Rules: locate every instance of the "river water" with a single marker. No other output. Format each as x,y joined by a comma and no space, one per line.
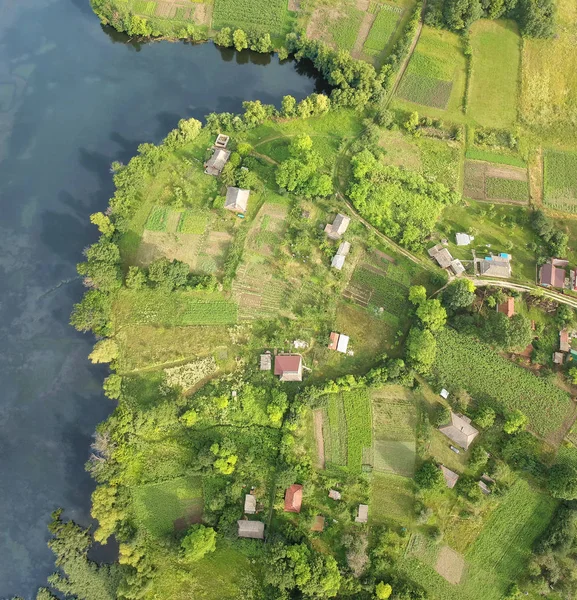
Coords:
73,98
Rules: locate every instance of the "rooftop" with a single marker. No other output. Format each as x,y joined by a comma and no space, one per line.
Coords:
289,367
496,266
464,239
362,514
336,229
334,341
293,498
460,430
507,307
250,529
551,275
216,162
343,343
451,477
441,255
250,504
338,261
236,199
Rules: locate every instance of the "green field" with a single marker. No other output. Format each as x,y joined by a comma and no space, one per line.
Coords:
435,76
392,498
267,16
494,157
507,189
343,30
560,175
349,428
147,307
193,221
494,82
382,29
157,219
157,506
469,364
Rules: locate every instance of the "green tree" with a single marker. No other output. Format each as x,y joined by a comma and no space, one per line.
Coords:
563,481
288,106
442,414
421,349
383,590
573,375
478,458
106,510
417,294
103,222
112,386
519,332
224,37
240,40
459,294
459,15
135,278
412,122
537,18
190,417
432,314
429,476
92,313
514,422
104,351
198,542
255,112
484,417
301,146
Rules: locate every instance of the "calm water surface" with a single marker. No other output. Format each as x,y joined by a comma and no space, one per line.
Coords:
73,98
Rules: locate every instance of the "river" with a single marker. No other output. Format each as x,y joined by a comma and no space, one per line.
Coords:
73,98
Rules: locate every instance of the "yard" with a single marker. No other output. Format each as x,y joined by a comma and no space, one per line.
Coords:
495,78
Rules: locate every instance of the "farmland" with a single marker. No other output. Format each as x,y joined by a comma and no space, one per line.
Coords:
157,220
494,82
349,428
384,25
466,362
269,16
513,190
392,499
159,506
560,173
486,181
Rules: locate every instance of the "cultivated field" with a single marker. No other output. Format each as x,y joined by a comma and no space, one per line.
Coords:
495,183
560,175
392,499
267,16
337,25
163,507
435,75
494,81
471,365
385,21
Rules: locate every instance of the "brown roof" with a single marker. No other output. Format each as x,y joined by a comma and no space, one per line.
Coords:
507,307
289,367
450,477
564,341
460,430
496,267
334,341
318,523
362,514
552,275
293,498
441,255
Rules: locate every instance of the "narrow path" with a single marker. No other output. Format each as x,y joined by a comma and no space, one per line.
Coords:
551,294
363,34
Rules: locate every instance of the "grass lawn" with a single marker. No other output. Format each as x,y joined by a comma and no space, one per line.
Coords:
494,82
392,499
383,28
435,77
548,83
560,173
471,365
157,506
498,225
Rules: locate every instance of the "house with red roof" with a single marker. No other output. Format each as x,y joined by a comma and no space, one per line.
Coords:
289,367
550,275
507,307
293,498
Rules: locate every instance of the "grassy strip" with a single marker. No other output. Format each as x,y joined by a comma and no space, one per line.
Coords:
501,159
358,414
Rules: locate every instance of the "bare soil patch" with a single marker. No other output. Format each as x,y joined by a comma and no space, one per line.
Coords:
202,14
166,10
318,27
363,4
506,172
179,246
477,172
294,5
450,565
193,515
318,425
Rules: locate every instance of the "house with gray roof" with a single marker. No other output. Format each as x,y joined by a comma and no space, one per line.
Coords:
496,266
215,164
460,431
441,255
336,229
236,199
450,477
250,529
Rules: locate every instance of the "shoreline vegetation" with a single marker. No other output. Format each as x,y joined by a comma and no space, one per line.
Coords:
291,364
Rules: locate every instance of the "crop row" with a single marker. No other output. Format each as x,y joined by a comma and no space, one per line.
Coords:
192,221
337,429
386,293
507,189
464,362
381,31
267,16
157,219
357,407
425,90
560,170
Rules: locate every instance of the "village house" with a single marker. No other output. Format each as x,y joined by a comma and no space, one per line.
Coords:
460,430
445,260
251,529
496,266
339,342
236,199
249,504
362,514
293,498
451,477
507,307
552,274
289,367
339,258
215,164
463,239
336,229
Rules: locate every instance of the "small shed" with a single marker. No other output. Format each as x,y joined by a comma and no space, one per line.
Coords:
441,255
334,495
251,529
451,477
318,524
558,358
457,267
293,498
338,262
336,229
343,343
265,361
216,162
221,141
362,514
334,341
444,393
250,504
236,199
484,488
344,248
464,239
507,307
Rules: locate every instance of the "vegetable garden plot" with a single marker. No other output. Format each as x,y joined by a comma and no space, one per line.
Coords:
425,90
258,294
395,457
193,221
384,26
560,175
157,219
266,16
392,498
469,364
495,182
507,189
143,7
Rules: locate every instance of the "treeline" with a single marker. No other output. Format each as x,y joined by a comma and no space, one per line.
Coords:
536,18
